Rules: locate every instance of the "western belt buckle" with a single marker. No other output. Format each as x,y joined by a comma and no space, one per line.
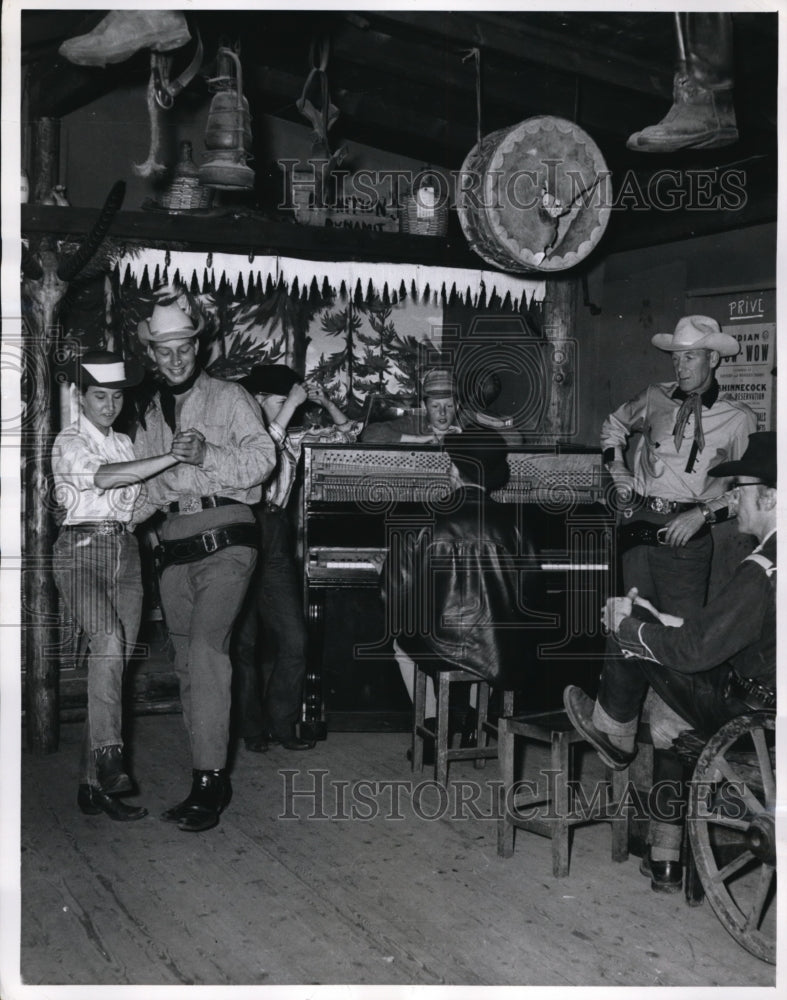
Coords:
209,541
659,505
190,505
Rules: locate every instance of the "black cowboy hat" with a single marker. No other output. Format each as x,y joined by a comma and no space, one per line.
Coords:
271,380
758,461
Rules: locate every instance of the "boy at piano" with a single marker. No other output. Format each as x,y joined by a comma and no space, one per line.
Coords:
274,597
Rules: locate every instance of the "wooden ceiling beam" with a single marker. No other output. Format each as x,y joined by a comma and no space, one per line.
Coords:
500,33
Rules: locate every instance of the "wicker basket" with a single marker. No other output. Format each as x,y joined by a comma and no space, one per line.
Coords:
185,192
424,213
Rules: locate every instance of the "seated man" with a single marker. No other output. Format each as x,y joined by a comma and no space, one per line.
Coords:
455,590
427,427
710,668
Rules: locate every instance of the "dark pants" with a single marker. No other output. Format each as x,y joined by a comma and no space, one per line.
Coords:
274,602
674,578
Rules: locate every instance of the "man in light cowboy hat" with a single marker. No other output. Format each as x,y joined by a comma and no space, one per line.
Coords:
208,540
708,668
668,499
427,427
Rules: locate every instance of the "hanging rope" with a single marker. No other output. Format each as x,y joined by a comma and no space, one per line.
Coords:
476,54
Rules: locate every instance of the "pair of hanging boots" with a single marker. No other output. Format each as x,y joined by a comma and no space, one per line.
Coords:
122,33
702,115
210,794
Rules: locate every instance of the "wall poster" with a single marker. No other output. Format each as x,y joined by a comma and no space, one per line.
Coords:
750,317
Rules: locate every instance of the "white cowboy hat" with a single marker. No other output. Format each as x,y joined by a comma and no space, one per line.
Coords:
168,323
695,333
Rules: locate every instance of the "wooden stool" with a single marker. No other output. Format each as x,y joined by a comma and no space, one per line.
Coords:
555,730
480,753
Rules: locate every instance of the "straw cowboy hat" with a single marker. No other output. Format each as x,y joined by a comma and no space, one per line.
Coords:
104,369
695,333
168,323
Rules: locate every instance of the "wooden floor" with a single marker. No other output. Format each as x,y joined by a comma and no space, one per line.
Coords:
326,898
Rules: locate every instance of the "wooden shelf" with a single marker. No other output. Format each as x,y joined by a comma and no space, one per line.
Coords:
240,232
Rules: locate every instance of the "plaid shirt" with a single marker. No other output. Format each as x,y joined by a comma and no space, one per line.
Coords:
289,445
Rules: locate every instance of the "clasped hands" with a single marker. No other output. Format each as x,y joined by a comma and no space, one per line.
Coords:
618,608
189,446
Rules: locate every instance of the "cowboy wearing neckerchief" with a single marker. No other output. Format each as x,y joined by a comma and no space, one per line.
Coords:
670,498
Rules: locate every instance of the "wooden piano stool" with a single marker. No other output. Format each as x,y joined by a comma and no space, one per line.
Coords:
444,753
556,813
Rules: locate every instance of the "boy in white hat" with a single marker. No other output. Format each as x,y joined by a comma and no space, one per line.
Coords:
96,562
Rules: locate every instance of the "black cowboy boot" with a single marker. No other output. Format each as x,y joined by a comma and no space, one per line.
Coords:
210,794
92,801
111,777
702,115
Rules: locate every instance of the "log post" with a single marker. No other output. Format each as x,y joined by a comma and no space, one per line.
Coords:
560,309
40,609
46,157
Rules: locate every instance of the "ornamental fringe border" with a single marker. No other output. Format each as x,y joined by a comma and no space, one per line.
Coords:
426,282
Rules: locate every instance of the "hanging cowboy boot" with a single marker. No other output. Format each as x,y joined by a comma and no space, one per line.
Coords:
702,115
124,32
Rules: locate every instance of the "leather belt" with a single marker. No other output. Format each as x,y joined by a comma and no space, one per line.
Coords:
98,527
190,505
195,547
750,691
648,533
657,505
270,508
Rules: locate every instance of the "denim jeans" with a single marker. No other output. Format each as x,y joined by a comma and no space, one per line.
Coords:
698,698
101,585
201,601
274,602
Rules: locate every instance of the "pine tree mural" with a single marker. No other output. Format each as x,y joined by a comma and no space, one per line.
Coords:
374,358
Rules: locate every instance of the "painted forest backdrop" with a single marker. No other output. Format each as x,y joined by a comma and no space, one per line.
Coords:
360,346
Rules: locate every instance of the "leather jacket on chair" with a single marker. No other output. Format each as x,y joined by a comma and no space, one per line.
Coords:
458,589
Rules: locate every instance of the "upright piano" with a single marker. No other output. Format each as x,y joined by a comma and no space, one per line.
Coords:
356,498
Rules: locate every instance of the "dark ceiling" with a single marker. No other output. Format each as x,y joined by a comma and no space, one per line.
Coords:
403,84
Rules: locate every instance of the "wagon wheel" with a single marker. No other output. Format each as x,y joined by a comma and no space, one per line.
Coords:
731,825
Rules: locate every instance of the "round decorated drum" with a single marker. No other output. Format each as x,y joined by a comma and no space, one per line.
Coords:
535,197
